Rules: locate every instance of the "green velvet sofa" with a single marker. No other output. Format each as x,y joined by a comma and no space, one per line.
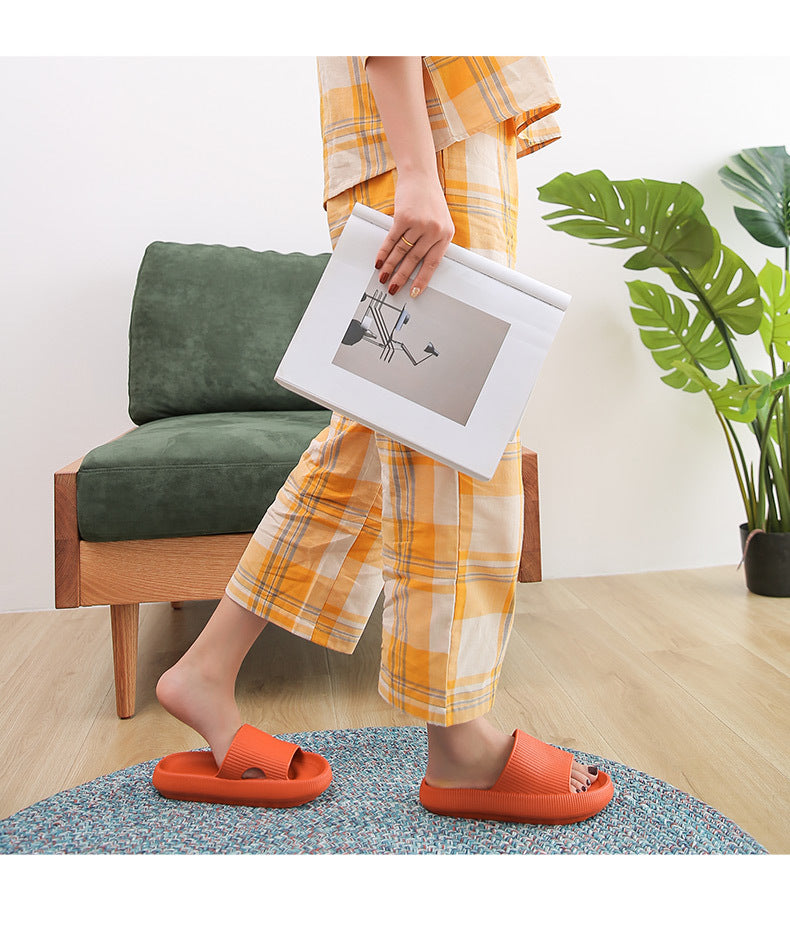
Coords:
164,511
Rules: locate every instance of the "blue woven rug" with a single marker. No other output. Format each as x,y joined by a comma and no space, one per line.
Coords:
371,808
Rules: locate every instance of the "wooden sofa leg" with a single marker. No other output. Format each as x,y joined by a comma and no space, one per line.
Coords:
530,569
125,623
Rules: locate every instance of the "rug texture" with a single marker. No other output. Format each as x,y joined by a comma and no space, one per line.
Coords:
371,808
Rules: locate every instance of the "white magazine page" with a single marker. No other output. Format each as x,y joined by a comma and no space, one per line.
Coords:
448,373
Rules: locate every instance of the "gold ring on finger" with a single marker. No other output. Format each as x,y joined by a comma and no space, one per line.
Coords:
409,243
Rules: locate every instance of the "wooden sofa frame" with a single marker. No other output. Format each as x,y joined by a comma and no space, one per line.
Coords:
125,574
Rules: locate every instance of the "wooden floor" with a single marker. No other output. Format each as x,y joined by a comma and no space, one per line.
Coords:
681,675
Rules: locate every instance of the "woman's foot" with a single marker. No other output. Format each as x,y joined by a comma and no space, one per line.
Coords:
200,689
473,754
202,701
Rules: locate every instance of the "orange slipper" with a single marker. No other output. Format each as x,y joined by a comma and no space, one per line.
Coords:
533,765
292,776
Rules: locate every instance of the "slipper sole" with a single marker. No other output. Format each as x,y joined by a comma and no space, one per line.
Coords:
534,808
192,776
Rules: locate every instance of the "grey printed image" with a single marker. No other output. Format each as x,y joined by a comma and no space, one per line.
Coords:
433,350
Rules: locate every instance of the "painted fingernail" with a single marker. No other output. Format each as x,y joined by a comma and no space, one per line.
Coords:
394,288
384,277
379,264
415,291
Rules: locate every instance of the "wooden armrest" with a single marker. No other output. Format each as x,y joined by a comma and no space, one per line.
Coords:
531,566
67,535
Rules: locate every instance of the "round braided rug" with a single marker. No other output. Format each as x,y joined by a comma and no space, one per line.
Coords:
371,808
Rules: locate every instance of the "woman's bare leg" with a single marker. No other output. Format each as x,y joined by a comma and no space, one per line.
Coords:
200,689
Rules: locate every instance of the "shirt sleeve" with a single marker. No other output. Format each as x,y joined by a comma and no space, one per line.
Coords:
467,94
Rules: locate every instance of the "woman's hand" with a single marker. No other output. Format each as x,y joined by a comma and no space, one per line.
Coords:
421,230
421,213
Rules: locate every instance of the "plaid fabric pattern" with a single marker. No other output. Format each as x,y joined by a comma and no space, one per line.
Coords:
361,512
464,95
480,183
451,548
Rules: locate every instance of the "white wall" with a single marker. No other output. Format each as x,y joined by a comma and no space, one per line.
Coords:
103,155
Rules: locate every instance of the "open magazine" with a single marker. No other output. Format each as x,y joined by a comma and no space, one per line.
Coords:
448,373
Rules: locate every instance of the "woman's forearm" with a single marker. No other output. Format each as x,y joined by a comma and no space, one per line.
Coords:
397,86
422,226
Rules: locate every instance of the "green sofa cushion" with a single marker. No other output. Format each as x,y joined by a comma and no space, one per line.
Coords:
210,325
191,475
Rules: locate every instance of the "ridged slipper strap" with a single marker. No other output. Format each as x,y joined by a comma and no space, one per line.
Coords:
535,767
252,747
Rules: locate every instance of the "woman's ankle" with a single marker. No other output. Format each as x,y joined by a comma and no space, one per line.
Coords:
205,703
470,753
454,740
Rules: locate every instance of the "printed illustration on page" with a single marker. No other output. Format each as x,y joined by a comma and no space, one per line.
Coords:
434,350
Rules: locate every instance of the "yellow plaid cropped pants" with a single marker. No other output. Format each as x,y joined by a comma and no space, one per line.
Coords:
361,512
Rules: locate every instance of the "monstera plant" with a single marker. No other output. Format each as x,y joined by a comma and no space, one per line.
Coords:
709,297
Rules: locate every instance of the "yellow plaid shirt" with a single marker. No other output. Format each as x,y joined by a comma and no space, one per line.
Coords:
463,94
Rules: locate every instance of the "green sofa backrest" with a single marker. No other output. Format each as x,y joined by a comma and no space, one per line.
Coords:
209,327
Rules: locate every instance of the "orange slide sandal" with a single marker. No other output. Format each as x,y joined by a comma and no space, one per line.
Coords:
292,776
540,768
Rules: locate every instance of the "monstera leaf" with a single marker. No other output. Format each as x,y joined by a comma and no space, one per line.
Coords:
738,402
691,334
775,324
673,339
763,178
726,288
664,219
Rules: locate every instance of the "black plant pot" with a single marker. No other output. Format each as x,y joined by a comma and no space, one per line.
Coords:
767,563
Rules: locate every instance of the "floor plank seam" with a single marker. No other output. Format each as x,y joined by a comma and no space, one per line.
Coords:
331,676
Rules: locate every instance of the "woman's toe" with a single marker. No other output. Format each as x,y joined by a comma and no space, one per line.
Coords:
582,777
